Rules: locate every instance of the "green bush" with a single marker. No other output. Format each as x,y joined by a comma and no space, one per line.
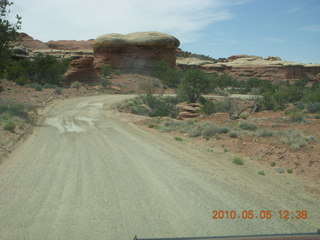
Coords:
21,80
194,83
262,173
169,76
313,107
106,70
9,126
265,133
105,82
296,139
75,84
289,171
211,107
238,161
160,105
41,69
178,139
58,90
273,164
296,116
18,110
248,126
233,135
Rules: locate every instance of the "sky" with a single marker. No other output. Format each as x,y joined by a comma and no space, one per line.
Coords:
289,29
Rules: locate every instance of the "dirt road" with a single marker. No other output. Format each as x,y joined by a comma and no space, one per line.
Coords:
85,174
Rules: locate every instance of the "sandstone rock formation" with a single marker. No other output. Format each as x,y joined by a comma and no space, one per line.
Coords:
244,67
71,45
136,51
81,70
32,44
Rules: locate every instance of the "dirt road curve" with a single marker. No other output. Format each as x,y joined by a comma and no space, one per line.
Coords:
84,174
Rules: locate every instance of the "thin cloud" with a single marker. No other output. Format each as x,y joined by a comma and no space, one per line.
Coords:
313,28
82,19
293,10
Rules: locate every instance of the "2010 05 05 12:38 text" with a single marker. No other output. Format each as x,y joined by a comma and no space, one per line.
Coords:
262,214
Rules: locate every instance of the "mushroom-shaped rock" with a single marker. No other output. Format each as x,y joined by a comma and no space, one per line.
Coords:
136,51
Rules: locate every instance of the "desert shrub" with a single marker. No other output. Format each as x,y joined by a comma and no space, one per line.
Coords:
273,164
58,90
178,139
9,126
313,107
317,116
296,116
160,105
195,132
41,69
238,161
262,173
168,75
21,80
105,82
135,107
289,171
48,85
75,84
265,133
233,135
193,84
208,129
248,126
18,110
106,70
296,139
210,107
36,86
299,106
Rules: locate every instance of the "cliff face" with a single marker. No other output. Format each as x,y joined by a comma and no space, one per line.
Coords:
244,67
135,51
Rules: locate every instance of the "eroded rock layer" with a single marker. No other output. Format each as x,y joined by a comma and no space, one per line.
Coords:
136,51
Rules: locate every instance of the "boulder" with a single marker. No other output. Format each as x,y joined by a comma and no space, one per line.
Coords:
81,70
136,51
183,115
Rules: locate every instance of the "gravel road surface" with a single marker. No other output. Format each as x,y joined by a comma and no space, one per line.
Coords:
87,173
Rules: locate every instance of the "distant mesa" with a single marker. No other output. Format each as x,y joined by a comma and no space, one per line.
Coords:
135,51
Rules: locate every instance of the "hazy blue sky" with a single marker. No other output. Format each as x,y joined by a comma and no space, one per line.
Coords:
219,28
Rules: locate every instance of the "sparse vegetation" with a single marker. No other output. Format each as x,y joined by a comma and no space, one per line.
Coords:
289,171
233,135
178,139
262,173
265,133
296,139
238,161
75,84
9,126
248,126
296,116
272,164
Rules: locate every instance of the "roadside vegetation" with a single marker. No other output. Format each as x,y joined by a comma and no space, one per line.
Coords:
13,115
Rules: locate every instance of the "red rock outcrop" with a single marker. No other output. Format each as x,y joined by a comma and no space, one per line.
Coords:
136,51
32,44
71,45
81,70
244,67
